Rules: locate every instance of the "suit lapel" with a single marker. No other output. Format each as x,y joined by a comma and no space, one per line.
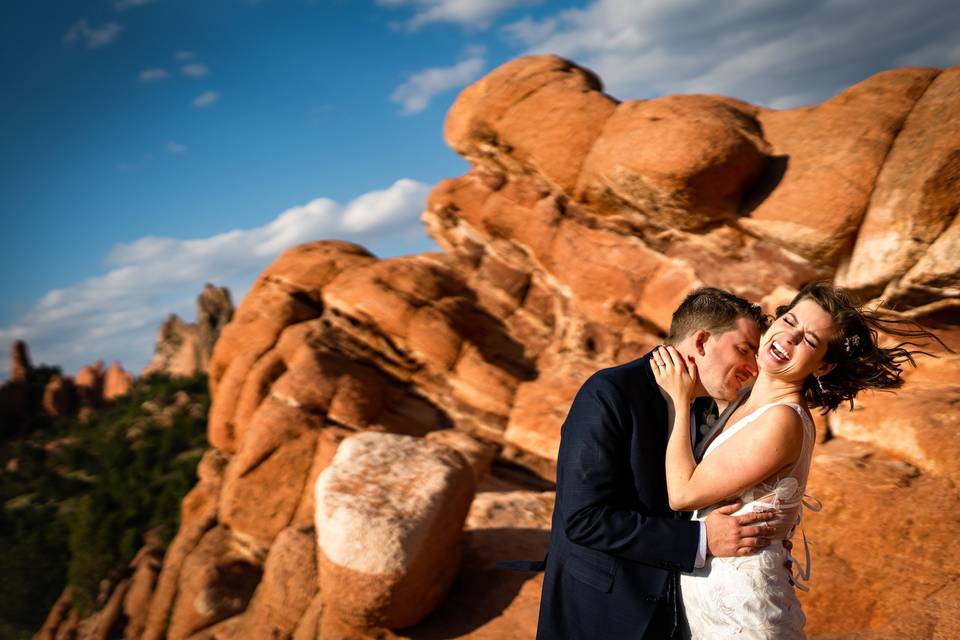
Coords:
718,425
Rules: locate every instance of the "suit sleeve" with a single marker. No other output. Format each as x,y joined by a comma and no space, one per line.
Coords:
593,466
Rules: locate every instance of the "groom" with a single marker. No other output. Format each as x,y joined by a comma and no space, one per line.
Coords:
615,545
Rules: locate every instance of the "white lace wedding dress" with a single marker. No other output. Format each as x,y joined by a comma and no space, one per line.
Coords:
751,597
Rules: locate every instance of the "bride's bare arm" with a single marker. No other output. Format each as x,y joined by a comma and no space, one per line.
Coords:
754,454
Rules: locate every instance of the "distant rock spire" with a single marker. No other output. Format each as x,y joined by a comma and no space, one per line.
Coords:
20,366
184,348
214,311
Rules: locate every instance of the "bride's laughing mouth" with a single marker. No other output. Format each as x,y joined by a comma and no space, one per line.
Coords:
778,353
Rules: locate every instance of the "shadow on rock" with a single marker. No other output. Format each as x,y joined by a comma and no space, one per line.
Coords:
487,602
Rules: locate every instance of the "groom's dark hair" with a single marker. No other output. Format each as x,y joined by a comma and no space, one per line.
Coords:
713,310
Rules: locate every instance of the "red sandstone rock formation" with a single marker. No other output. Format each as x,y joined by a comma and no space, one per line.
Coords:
22,399
116,382
89,384
20,366
184,349
581,224
390,513
60,396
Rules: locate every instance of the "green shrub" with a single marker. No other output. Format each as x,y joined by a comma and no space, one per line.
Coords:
72,516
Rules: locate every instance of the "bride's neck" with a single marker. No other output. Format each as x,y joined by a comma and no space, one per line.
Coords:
767,389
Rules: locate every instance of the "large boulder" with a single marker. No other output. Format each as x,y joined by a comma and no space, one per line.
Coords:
540,113
917,193
390,512
829,158
681,161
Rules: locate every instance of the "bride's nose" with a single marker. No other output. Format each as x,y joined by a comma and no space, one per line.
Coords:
794,335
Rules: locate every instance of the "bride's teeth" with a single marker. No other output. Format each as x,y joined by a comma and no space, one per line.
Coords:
778,352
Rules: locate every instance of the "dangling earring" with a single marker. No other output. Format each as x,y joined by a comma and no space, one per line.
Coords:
819,384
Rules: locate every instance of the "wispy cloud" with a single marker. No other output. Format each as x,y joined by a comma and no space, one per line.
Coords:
195,70
777,53
205,99
475,14
123,5
184,55
176,147
92,37
415,94
115,315
152,75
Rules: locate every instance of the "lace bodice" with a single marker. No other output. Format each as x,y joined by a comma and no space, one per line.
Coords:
786,494
753,597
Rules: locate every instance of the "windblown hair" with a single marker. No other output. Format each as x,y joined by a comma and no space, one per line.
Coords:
713,310
861,363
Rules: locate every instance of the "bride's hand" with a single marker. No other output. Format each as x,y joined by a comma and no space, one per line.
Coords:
676,376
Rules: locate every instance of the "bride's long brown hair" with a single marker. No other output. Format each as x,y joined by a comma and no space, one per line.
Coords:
861,363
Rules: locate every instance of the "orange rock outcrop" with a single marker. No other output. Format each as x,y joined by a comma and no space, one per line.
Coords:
183,348
580,225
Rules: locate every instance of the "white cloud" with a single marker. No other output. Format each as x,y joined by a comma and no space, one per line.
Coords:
92,37
194,70
116,315
205,99
184,55
176,147
122,5
777,53
150,75
414,95
468,13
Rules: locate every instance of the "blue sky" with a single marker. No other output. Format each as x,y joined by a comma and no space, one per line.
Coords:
154,145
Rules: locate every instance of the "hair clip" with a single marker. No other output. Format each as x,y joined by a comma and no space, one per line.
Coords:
850,343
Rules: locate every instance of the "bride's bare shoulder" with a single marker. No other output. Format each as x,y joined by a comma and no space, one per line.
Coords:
780,421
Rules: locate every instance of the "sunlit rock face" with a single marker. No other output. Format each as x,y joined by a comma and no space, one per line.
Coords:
581,224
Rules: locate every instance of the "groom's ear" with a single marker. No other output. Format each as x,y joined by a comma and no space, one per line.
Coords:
699,339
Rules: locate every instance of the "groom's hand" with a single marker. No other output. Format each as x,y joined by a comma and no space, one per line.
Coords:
729,535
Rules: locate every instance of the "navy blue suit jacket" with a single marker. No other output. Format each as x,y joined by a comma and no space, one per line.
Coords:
614,540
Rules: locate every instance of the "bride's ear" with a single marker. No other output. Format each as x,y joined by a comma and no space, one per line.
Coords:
824,368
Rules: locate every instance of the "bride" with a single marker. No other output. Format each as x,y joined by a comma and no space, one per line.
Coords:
819,352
